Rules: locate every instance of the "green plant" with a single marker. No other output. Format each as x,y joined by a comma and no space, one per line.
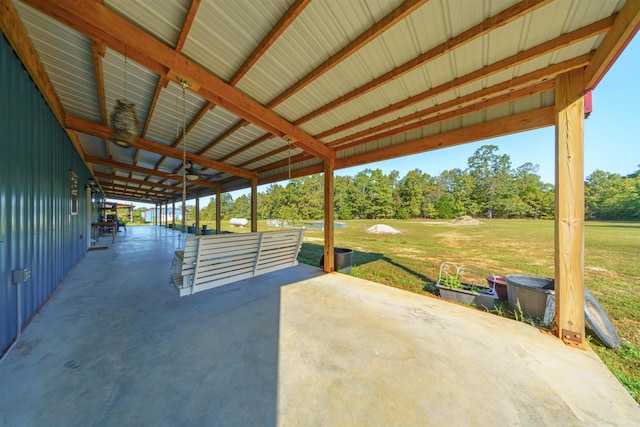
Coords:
519,315
500,308
451,282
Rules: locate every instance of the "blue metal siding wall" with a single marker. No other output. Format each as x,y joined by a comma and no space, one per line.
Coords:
36,229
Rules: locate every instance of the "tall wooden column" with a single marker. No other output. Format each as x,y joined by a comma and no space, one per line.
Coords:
218,210
329,262
254,205
197,213
569,209
173,214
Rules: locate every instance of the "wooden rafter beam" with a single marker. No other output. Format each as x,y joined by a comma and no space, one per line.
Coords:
142,199
284,22
98,22
507,91
266,156
84,26
208,106
625,26
136,190
295,173
503,18
391,19
374,31
100,131
518,123
140,182
98,51
292,13
222,137
186,25
199,115
542,49
163,81
246,147
508,97
162,84
300,157
145,171
498,100
386,130
519,87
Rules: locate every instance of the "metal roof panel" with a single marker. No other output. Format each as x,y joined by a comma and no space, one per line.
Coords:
66,56
163,19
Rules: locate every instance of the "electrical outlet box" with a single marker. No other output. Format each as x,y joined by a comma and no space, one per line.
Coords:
21,275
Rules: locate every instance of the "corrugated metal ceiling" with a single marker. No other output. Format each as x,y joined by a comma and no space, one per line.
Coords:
299,60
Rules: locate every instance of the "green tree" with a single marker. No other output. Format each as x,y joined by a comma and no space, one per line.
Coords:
240,208
358,194
209,211
411,190
310,199
610,196
445,206
536,197
341,204
494,184
460,185
380,195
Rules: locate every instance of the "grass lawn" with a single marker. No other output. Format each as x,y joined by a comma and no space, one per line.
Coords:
410,260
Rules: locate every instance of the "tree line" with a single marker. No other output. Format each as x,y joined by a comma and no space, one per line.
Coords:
489,187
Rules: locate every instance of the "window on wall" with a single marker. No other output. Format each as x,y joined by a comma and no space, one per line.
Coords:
73,182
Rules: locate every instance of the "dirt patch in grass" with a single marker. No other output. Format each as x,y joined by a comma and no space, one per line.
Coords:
465,220
408,252
453,239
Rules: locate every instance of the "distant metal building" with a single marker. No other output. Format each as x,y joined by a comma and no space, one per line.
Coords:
45,215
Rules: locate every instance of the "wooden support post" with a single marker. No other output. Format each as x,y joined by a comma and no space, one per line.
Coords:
173,215
329,263
218,210
569,209
197,211
254,205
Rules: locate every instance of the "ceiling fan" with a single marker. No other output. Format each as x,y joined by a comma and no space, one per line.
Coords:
193,174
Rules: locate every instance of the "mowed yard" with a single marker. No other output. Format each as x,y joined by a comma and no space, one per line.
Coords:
410,260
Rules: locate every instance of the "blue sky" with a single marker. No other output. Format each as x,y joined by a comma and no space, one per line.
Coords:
612,135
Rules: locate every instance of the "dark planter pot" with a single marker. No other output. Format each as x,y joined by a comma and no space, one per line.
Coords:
206,231
485,300
342,260
535,295
500,283
191,229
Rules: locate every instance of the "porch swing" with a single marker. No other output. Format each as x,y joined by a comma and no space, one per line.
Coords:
209,261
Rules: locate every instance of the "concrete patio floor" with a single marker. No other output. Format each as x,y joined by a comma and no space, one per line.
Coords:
116,346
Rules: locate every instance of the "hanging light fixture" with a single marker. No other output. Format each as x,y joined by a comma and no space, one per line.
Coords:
124,121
